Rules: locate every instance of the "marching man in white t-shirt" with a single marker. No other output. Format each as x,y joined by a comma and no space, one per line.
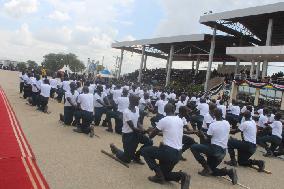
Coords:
44,96
275,139
246,147
132,134
169,151
215,151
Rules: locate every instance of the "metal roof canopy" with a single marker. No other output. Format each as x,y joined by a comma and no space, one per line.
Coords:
250,23
187,47
258,54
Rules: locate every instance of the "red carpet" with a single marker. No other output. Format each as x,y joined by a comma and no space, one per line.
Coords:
18,168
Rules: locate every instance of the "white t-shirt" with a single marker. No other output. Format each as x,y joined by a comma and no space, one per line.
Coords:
235,110
73,97
172,128
172,96
35,86
203,108
66,85
224,110
271,118
21,77
92,88
143,103
161,106
260,111
193,99
262,120
178,105
45,90
53,83
249,131
98,97
116,93
86,102
208,119
219,130
122,103
128,115
277,128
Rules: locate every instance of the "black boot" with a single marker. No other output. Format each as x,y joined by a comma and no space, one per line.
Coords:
158,178
232,173
233,163
185,180
61,117
206,170
109,129
259,163
104,124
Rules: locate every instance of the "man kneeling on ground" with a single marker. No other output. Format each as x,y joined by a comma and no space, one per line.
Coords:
169,152
85,103
132,134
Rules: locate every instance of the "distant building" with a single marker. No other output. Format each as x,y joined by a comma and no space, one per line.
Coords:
6,63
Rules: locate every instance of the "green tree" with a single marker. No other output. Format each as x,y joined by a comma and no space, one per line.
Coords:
53,62
32,64
21,66
74,63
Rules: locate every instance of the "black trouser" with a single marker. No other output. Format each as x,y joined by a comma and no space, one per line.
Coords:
142,114
245,151
21,86
215,155
232,119
52,92
86,117
168,157
27,91
274,140
60,94
35,98
130,143
198,121
43,101
187,142
156,119
68,114
117,116
99,111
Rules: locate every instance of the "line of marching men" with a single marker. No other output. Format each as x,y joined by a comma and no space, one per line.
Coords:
176,118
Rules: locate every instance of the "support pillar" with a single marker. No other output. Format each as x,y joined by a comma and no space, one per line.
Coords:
252,68
282,102
257,70
268,43
197,65
170,63
237,66
141,64
120,64
145,62
224,63
192,66
211,55
256,99
234,92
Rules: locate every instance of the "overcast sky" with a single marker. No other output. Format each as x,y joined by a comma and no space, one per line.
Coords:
30,29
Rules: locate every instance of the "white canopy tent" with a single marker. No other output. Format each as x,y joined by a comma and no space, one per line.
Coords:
66,68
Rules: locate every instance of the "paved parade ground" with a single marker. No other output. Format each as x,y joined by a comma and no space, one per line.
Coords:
70,160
